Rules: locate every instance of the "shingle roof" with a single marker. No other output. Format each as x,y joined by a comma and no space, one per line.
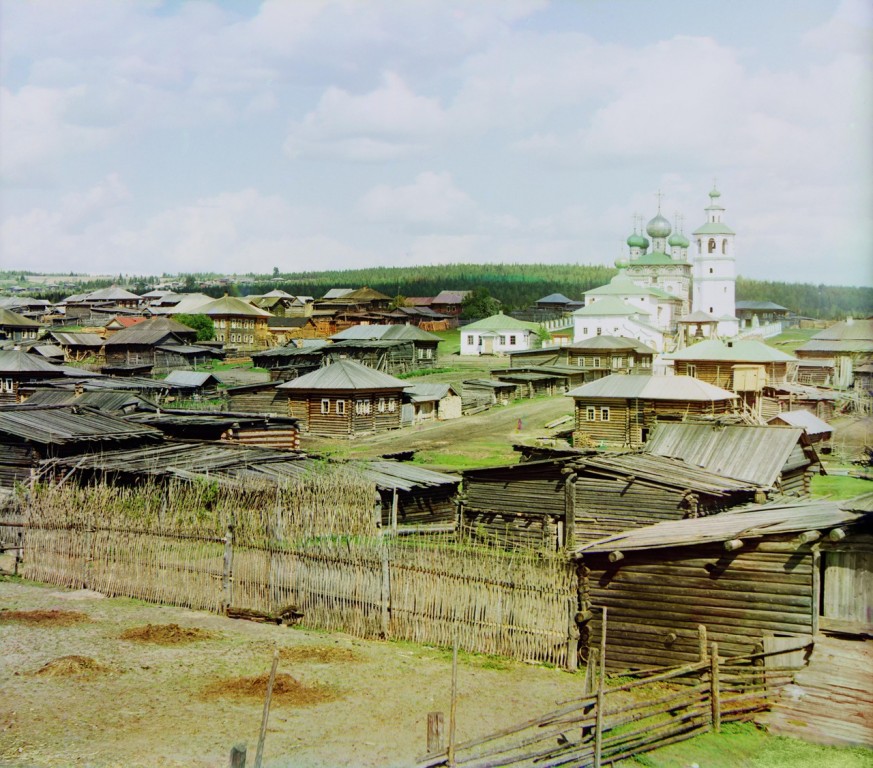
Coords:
424,393
651,388
77,339
753,453
344,375
450,297
741,351
854,330
69,425
17,361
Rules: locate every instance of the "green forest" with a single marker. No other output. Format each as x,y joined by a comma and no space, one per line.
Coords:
516,286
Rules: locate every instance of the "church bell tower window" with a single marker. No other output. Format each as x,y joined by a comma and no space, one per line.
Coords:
711,245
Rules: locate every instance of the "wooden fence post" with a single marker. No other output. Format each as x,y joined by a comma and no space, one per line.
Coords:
591,670
453,709
570,512
572,636
715,693
601,684
262,736
701,642
19,553
227,570
238,756
435,732
386,592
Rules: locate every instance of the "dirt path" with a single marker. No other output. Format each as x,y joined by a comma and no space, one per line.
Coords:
161,705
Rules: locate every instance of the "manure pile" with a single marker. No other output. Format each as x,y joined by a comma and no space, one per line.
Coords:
165,634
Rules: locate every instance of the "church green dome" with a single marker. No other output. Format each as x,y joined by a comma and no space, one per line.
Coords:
637,241
678,240
658,227
714,194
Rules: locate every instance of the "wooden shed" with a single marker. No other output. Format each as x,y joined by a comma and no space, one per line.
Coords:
150,343
718,363
18,368
344,399
779,459
622,410
433,402
564,502
748,576
192,384
818,432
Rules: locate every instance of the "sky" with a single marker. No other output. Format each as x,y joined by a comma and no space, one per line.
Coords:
158,136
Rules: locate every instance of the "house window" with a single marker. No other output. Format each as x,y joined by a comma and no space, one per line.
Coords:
512,341
325,406
710,270
616,361
584,331
381,405
428,353
691,369
392,405
340,407
362,407
595,362
604,414
470,340
711,245
598,331
502,341
590,413
630,361
724,246
580,362
7,385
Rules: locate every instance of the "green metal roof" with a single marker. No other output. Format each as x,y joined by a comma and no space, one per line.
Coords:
713,228
741,351
655,257
500,322
344,375
611,305
651,388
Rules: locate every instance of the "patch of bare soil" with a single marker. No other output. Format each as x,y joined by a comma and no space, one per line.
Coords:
319,654
286,690
72,666
165,634
52,618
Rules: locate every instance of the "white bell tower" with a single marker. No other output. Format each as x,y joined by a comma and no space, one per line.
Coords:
715,274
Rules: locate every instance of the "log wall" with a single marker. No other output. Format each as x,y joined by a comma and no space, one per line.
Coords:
657,599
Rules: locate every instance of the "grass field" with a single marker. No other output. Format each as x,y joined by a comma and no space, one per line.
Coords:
790,340
839,487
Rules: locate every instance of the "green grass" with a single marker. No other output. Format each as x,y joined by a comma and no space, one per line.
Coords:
470,455
451,342
839,487
742,745
790,340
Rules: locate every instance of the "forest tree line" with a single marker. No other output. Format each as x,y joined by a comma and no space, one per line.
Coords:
516,286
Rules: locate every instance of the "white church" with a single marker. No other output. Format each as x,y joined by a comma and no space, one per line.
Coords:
661,298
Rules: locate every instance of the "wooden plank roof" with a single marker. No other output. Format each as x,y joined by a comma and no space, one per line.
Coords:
651,388
61,425
343,375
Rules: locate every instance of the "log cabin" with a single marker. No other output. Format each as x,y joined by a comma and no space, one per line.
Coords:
19,368
16,327
726,364
564,502
621,411
843,347
746,575
237,323
344,399
419,350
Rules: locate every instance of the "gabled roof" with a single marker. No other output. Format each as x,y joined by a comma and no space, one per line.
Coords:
69,425
745,523
113,293
450,297
344,375
337,293
609,306
651,388
854,330
753,453
231,306
107,401
500,322
807,421
8,318
366,294
740,351
623,285
125,322
17,361
190,379
402,332
698,317
77,339
188,304
760,305
150,332
610,343
277,293
423,392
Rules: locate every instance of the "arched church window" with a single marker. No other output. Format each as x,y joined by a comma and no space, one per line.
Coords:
699,245
724,246
711,245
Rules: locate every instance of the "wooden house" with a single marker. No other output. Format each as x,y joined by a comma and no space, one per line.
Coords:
611,354
555,303
780,459
30,434
478,394
566,501
741,366
450,304
19,368
261,397
412,348
291,361
344,399
17,327
237,324
534,382
431,402
843,347
159,343
749,576
792,397
622,410
199,384
281,330
818,432
757,313
78,346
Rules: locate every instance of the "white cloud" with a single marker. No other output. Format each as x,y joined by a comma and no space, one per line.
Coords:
431,200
